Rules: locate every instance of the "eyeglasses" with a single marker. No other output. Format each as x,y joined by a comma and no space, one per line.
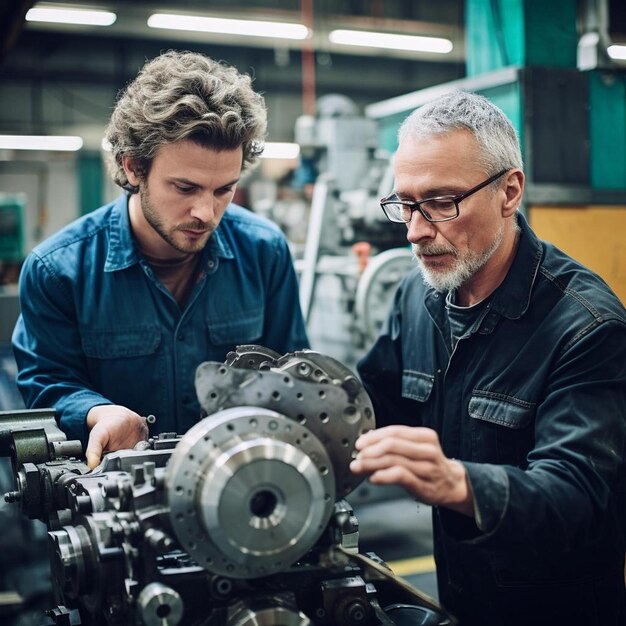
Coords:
439,209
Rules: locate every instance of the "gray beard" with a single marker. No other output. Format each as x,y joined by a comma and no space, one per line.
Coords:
463,269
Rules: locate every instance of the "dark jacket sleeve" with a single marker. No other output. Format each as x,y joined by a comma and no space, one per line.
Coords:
381,372
577,465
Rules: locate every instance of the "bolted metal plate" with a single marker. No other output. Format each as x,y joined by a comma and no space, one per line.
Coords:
311,389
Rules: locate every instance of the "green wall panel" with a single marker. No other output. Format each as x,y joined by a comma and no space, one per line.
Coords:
90,181
500,33
607,99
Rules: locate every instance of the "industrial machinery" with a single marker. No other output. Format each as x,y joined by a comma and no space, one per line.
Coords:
239,522
350,175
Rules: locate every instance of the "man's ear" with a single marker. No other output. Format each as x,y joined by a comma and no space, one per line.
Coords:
514,190
130,168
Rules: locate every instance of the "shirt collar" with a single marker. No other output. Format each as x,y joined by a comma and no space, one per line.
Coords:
123,253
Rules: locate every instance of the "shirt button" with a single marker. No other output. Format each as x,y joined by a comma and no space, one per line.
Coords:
211,264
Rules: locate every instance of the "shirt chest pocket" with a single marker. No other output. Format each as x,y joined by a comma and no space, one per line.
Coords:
236,330
127,366
502,428
121,343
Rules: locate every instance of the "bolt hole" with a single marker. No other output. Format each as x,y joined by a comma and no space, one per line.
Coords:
263,503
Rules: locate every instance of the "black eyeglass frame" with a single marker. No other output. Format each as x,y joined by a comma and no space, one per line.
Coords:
416,206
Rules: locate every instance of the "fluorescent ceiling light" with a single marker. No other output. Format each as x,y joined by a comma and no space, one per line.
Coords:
617,52
279,150
280,30
41,142
59,15
391,41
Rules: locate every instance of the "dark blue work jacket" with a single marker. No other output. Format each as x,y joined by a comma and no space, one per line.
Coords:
533,401
98,327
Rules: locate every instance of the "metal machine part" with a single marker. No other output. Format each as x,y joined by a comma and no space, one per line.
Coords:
315,390
266,612
235,523
376,289
159,605
249,491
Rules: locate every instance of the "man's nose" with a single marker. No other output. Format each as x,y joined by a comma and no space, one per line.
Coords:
419,228
203,209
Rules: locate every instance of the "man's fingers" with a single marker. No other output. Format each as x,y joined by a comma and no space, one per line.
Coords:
410,450
145,431
95,447
93,460
409,433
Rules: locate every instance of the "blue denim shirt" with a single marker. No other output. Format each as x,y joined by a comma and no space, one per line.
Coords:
97,326
533,401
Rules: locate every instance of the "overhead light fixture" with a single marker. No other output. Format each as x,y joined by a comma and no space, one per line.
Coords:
250,28
59,15
280,150
62,143
391,41
617,52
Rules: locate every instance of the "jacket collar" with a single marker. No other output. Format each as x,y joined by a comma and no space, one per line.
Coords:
123,252
512,298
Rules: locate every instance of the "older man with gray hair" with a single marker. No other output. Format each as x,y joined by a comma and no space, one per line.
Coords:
499,383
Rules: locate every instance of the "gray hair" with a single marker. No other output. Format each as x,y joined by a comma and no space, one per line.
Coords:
184,95
497,140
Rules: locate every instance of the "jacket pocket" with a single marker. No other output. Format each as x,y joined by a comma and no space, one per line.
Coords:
236,331
502,428
416,386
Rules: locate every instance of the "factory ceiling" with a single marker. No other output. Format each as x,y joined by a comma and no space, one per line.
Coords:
62,75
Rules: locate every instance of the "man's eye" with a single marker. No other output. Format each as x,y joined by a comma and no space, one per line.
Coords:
224,190
184,188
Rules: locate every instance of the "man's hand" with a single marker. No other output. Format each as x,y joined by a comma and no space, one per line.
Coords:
413,458
112,427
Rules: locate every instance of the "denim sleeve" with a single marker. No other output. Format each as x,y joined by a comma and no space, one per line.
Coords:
575,475
52,372
284,327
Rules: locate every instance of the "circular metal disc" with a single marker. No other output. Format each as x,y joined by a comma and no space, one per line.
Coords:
250,491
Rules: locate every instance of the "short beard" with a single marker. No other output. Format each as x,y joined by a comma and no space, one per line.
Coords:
155,220
464,267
